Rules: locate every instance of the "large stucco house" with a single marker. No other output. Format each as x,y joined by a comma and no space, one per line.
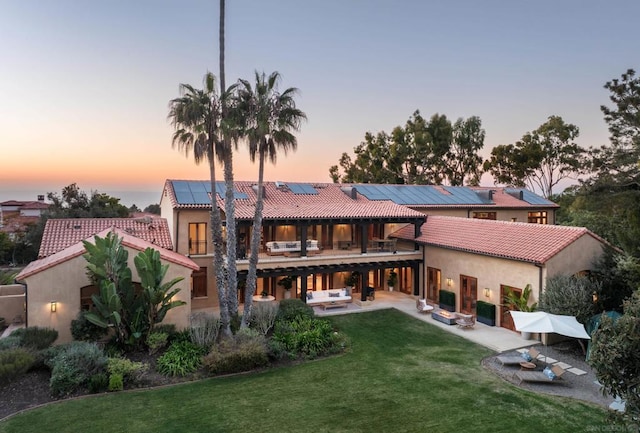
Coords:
475,242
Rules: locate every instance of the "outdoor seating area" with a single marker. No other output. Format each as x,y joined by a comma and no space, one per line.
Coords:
423,307
282,247
548,375
529,355
465,321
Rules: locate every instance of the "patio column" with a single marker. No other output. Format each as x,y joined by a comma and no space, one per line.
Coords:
303,240
364,235
303,287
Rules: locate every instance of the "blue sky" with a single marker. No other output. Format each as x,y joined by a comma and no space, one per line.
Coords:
85,84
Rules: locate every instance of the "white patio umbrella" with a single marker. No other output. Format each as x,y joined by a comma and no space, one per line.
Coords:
543,322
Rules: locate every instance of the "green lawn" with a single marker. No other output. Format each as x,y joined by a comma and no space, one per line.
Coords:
401,375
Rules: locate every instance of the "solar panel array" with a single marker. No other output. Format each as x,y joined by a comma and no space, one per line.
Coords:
301,188
198,192
529,197
421,194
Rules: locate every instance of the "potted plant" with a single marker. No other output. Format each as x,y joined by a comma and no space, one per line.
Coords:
520,303
286,283
264,294
352,279
392,280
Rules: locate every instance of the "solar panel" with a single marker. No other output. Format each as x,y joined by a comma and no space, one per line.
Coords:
301,188
421,194
199,192
528,196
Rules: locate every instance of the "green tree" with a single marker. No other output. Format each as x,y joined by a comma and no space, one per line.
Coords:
618,164
541,159
464,163
420,152
153,208
196,118
615,356
570,296
268,118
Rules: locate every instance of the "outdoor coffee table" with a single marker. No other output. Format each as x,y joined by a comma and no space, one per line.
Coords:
526,365
333,304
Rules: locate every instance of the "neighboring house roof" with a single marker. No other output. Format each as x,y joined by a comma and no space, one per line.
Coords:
35,205
534,243
60,234
288,201
77,249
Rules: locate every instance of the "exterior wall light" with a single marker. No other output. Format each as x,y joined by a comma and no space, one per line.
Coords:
54,306
449,282
595,297
487,292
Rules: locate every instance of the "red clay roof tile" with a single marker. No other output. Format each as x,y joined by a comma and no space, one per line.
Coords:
78,249
535,243
62,233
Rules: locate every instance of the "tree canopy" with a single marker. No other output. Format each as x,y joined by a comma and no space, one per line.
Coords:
424,151
541,159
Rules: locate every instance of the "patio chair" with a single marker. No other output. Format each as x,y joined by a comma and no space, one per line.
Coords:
423,307
517,359
465,321
540,376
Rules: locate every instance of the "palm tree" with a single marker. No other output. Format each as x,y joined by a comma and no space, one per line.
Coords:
267,117
229,203
196,117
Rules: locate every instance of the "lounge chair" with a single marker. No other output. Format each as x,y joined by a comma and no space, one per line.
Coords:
465,321
517,359
540,376
423,307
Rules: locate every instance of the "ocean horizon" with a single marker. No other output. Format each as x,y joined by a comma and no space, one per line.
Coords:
142,199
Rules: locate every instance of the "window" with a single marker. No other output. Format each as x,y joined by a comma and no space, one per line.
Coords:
484,215
539,217
197,238
199,283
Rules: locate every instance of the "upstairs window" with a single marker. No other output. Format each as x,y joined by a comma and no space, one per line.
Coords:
484,215
197,238
539,217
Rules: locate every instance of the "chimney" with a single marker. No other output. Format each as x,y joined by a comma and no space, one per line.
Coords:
41,198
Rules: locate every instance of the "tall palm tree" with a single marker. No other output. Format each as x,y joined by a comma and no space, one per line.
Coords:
229,203
196,118
268,119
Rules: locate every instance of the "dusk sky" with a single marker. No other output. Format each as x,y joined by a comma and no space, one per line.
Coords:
84,85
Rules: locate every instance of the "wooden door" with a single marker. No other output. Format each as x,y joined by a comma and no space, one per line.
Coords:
506,321
433,284
469,294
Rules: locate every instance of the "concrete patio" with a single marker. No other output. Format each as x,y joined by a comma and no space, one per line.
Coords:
492,337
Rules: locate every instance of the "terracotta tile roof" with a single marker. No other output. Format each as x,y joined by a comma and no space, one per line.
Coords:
534,243
78,249
35,205
62,233
280,202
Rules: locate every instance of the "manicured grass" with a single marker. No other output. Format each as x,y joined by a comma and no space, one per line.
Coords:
401,375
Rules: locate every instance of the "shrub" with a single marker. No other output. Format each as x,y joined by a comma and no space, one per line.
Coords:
447,300
156,341
263,316
180,359
116,382
84,330
35,337
129,370
10,342
244,351
307,337
98,382
72,367
14,362
204,329
570,296
291,309
167,328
